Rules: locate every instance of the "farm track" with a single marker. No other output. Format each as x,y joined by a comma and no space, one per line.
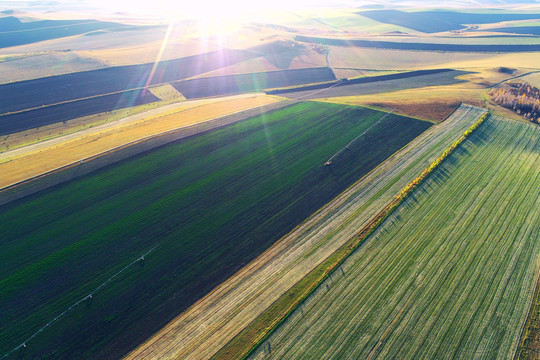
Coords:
212,322
451,274
208,205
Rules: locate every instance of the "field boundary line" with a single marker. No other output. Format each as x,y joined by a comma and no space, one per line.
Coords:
255,333
528,326
220,122
88,297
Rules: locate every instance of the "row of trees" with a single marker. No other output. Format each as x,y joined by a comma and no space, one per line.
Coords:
521,97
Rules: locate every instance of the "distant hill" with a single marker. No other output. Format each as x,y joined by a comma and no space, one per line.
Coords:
526,30
14,32
438,21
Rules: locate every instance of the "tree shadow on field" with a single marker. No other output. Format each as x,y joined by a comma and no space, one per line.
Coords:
483,133
281,54
440,176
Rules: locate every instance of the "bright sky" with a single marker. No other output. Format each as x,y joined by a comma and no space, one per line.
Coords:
201,8
169,8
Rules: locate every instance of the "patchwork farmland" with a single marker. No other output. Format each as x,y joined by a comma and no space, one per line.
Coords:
420,46
198,209
237,183
450,274
29,94
226,323
30,119
233,84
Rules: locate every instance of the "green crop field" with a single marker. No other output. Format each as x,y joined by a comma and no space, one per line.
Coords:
451,274
198,210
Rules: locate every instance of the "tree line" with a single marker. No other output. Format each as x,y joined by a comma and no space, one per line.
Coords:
521,97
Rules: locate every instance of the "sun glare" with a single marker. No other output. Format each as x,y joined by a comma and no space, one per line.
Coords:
199,9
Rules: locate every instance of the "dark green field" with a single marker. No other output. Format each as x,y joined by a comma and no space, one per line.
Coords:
206,205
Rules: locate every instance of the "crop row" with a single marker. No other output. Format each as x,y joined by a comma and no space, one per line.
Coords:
230,319
450,274
35,118
302,290
420,46
35,93
233,84
211,203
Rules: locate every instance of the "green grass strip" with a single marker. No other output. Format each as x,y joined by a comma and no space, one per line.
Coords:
529,345
244,343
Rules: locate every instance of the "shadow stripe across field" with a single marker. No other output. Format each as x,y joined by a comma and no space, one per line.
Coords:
451,274
67,88
30,119
56,89
211,202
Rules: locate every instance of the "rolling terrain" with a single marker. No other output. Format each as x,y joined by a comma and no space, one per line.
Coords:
421,46
232,318
75,151
207,188
196,210
13,32
450,274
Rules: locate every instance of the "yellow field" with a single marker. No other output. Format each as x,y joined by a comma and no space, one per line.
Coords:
55,130
167,92
514,60
210,323
31,161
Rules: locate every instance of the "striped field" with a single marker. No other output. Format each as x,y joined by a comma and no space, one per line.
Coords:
451,274
233,310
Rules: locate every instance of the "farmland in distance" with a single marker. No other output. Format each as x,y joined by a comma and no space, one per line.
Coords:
199,209
451,274
30,119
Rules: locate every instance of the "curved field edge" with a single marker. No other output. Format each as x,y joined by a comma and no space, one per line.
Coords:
451,274
263,326
213,321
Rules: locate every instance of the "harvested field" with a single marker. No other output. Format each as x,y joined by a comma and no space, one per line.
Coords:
420,46
85,123
29,94
48,63
431,103
233,84
522,60
372,86
533,79
146,50
199,209
528,30
450,274
43,116
387,59
13,32
211,323
306,59
167,93
26,163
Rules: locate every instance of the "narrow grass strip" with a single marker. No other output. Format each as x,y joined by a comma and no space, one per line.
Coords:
529,345
243,344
